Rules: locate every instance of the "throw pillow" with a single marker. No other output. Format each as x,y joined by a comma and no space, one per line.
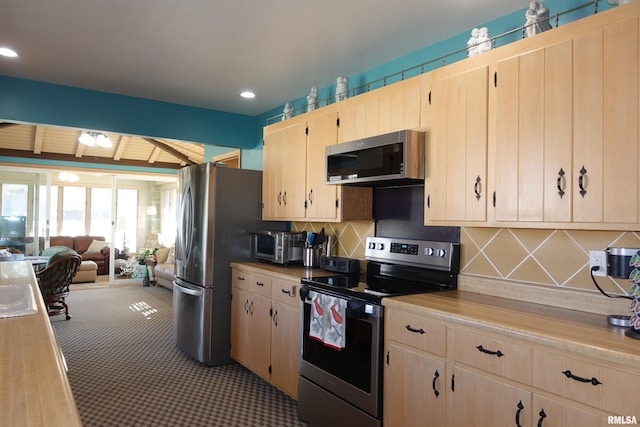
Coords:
171,258
161,255
96,246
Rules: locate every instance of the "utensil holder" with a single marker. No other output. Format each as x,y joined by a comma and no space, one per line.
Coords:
311,257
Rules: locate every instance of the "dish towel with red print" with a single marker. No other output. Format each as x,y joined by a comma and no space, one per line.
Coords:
335,325
327,319
316,327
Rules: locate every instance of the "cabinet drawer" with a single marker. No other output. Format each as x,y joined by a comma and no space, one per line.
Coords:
260,285
618,397
574,379
416,331
509,359
240,279
286,292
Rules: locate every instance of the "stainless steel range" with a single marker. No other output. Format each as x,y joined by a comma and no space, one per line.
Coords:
342,324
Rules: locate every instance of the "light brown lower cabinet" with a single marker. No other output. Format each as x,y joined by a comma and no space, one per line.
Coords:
414,388
487,379
264,327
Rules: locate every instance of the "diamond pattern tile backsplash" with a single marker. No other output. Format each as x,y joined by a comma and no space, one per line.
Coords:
351,236
557,258
554,258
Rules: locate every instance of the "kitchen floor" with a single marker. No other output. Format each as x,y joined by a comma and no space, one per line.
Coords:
124,368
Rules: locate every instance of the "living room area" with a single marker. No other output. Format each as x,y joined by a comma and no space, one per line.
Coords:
121,224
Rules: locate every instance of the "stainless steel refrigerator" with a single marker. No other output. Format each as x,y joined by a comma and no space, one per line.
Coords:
219,207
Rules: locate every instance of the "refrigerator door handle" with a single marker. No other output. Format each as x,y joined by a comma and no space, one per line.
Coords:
188,291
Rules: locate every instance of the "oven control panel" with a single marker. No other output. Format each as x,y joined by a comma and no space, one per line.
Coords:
423,253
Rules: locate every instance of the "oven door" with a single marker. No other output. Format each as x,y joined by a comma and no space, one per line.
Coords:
352,373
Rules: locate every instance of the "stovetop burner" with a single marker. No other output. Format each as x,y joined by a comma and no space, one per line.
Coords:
397,267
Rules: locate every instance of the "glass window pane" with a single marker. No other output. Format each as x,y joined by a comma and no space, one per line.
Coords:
73,211
101,212
127,220
14,199
169,218
53,213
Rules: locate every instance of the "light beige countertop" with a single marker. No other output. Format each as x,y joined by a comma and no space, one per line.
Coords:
292,271
34,389
580,333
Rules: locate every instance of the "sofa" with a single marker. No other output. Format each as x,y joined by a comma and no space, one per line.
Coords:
164,269
90,248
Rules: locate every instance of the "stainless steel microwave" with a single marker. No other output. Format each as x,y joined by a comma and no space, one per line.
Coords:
383,159
280,247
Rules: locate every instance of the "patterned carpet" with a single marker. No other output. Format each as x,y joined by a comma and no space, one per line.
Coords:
125,370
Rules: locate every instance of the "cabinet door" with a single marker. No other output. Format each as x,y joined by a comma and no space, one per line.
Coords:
240,327
284,172
456,159
272,176
606,124
285,342
321,198
387,109
533,135
414,388
551,413
259,312
476,400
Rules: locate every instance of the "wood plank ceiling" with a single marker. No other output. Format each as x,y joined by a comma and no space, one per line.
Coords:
59,143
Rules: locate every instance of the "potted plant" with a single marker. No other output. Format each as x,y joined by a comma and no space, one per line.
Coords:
146,253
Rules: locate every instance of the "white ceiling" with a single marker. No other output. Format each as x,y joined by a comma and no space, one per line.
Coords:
205,52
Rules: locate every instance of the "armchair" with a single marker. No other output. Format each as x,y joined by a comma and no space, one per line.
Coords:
54,282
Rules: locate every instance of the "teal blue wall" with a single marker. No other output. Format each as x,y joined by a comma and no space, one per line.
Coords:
43,103
431,55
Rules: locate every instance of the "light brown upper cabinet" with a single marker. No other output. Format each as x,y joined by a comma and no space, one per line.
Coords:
533,135
294,176
284,170
455,114
566,146
387,109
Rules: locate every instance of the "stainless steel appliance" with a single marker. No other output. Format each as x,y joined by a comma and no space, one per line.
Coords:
279,247
343,386
218,208
392,158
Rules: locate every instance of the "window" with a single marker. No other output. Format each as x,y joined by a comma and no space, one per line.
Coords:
100,224
73,211
127,219
15,199
42,215
169,213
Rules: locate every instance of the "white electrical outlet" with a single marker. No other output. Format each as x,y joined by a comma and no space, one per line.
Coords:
598,259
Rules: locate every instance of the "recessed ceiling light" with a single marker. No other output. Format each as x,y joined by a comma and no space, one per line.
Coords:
9,53
247,94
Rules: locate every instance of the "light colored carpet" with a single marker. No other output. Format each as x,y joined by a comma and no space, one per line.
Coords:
125,369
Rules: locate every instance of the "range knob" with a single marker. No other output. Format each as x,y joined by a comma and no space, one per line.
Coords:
428,251
380,246
372,245
441,253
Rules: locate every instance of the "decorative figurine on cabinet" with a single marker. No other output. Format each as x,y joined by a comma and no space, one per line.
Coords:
472,44
479,42
484,42
537,18
342,88
312,99
288,111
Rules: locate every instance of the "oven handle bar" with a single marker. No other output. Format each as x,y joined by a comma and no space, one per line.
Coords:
356,308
